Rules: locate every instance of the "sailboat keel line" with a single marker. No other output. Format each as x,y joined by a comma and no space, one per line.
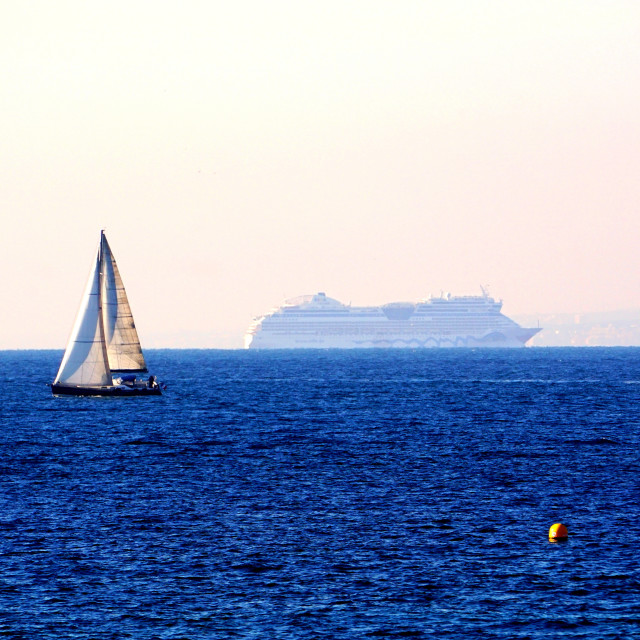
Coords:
64,390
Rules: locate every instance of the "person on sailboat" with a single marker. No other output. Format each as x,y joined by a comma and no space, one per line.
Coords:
152,384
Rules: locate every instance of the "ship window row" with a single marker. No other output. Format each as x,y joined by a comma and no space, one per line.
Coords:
379,313
381,318
331,331
389,324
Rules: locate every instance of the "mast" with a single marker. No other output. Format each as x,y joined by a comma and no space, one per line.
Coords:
103,339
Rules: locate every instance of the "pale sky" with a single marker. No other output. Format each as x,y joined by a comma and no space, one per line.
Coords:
239,153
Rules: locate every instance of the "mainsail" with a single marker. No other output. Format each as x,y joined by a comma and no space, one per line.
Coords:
85,362
121,338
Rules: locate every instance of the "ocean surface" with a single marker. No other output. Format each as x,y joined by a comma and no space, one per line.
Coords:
338,494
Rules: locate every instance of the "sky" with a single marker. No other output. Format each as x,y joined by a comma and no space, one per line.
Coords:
238,154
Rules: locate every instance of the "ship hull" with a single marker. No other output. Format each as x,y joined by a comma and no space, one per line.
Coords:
433,341
320,322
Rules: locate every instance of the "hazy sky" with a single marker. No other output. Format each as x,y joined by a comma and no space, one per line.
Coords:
238,153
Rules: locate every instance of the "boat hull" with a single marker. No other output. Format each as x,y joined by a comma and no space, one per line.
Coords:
74,390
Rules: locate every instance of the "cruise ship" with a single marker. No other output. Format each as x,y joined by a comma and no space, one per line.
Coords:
319,322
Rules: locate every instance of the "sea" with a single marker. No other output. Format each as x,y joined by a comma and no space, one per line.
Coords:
325,495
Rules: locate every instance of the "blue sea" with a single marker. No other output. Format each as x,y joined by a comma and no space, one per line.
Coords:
325,495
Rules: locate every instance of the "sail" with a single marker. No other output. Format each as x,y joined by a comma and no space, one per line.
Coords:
121,337
84,362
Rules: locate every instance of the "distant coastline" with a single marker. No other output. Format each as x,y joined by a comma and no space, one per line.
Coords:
597,329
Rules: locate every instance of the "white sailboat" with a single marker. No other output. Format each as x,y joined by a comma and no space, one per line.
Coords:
103,356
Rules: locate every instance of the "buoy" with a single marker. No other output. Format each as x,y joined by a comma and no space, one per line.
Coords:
558,532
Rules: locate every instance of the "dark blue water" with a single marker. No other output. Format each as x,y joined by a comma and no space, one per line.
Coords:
325,495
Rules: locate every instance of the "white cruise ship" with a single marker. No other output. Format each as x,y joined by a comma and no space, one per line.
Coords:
319,322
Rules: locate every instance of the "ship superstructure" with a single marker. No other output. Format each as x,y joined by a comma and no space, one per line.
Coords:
319,322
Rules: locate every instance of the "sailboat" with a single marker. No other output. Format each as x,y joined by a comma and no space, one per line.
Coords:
103,356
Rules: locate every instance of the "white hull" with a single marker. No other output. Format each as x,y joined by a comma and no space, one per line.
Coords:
319,341
318,322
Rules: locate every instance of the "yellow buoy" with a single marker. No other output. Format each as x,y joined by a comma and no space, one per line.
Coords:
558,532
